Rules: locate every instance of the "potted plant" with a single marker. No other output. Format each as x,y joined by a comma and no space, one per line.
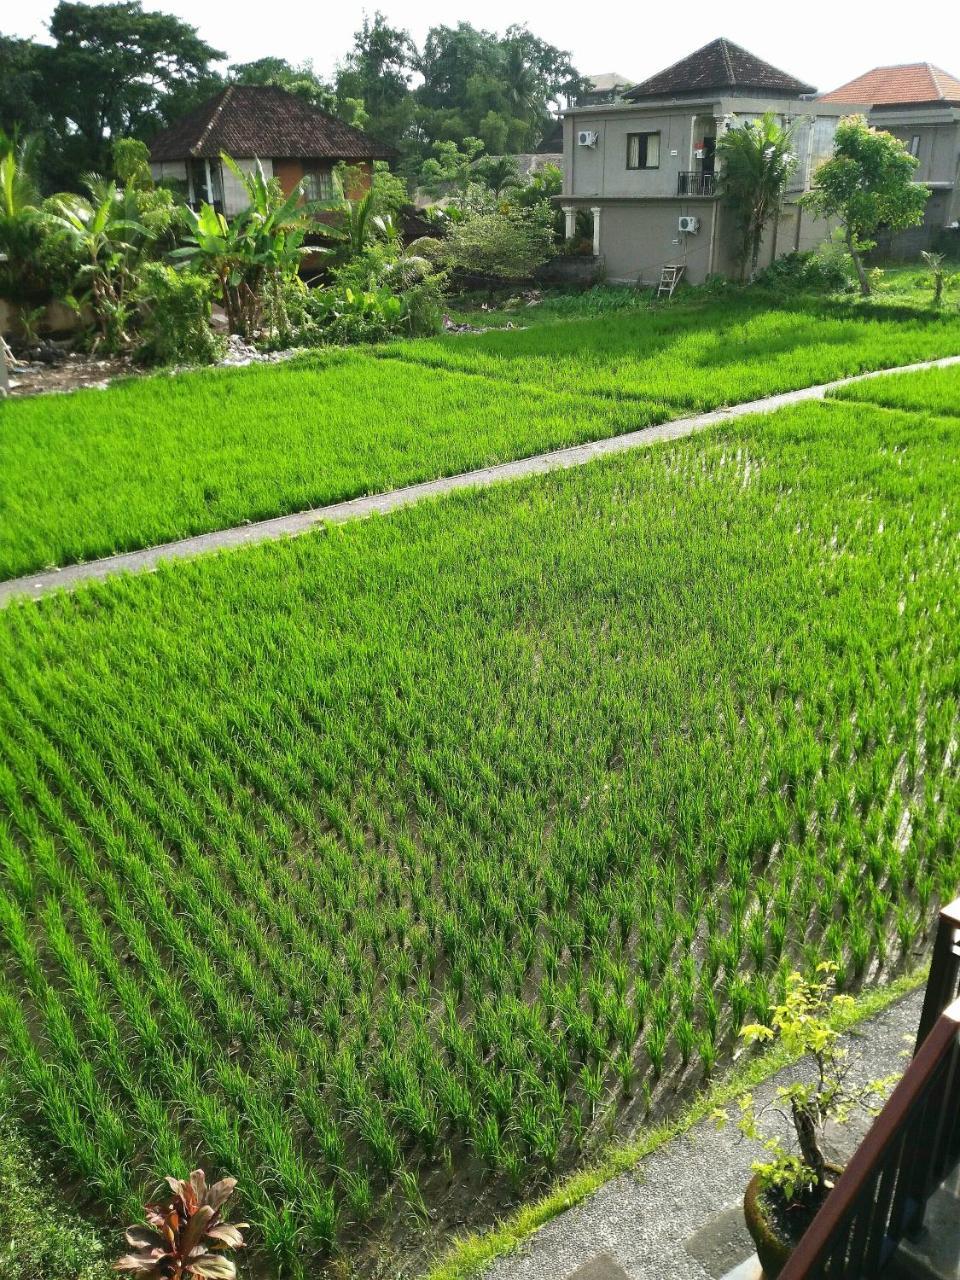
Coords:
787,1189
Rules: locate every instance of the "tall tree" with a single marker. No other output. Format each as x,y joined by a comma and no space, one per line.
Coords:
377,71
867,183
111,70
756,160
498,88
301,80
21,87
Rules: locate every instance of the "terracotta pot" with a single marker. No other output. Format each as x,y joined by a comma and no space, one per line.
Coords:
773,1247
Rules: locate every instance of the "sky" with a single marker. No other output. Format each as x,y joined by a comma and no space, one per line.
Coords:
821,41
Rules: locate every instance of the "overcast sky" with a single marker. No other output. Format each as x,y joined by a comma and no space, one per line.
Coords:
821,41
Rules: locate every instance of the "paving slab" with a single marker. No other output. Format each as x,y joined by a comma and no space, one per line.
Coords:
673,1217
35,585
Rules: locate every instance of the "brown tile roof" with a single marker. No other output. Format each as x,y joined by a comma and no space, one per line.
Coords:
721,64
912,82
266,122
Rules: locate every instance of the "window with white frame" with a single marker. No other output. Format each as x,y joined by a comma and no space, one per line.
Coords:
915,145
317,184
643,150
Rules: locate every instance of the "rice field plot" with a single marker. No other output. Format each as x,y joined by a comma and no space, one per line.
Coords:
152,460
689,360
392,868
935,391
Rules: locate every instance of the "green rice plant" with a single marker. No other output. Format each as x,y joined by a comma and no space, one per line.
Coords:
436,814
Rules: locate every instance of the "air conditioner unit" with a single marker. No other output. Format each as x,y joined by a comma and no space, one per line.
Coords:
587,138
688,226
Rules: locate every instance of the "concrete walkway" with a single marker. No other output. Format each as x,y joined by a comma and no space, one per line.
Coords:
35,585
679,1215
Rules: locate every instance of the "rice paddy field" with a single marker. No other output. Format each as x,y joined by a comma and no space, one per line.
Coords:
394,868
152,460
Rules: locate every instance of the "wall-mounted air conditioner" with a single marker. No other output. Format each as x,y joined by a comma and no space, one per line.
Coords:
688,226
587,138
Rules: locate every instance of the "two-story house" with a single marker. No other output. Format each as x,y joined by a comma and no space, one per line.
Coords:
919,104
644,165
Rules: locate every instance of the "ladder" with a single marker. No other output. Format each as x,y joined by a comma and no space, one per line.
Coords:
670,277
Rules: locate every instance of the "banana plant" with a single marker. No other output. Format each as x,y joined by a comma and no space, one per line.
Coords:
253,254
107,238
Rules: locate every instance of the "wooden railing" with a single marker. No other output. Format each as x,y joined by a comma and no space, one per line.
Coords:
913,1145
943,985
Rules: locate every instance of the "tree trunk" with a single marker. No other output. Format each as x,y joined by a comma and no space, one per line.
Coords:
858,265
809,1143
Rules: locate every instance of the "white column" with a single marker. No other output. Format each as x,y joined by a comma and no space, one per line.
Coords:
596,230
570,221
209,182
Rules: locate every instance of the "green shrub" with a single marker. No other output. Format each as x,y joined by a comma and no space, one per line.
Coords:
39,1238
175,317
822,272
506,244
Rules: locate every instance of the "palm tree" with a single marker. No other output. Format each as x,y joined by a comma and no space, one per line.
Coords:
756,162
498,173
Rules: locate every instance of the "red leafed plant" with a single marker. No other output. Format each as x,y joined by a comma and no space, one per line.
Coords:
185,1238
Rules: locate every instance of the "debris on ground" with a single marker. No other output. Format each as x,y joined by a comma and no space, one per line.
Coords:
51,367
454,326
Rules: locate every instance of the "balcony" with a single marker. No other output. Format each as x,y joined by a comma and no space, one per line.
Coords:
692,183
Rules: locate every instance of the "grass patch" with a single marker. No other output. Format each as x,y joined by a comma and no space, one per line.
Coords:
40,1239
935,391
387,869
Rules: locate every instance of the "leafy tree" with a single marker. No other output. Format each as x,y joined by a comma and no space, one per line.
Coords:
450,168
377,72
498,88
109,72
757,160
867,184
21,231
301,80
21,87
131,163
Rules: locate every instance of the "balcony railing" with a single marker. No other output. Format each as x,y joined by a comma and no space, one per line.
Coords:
692,183
913,1146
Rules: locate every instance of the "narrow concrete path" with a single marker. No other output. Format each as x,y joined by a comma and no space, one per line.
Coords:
35,585
679,1214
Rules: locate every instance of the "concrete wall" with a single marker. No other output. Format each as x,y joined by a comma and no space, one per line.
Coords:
602,170
169,170
639,238
235,198
57,318
939,134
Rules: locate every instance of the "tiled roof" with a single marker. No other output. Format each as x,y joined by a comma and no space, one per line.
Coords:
912,82
266,122
721,64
